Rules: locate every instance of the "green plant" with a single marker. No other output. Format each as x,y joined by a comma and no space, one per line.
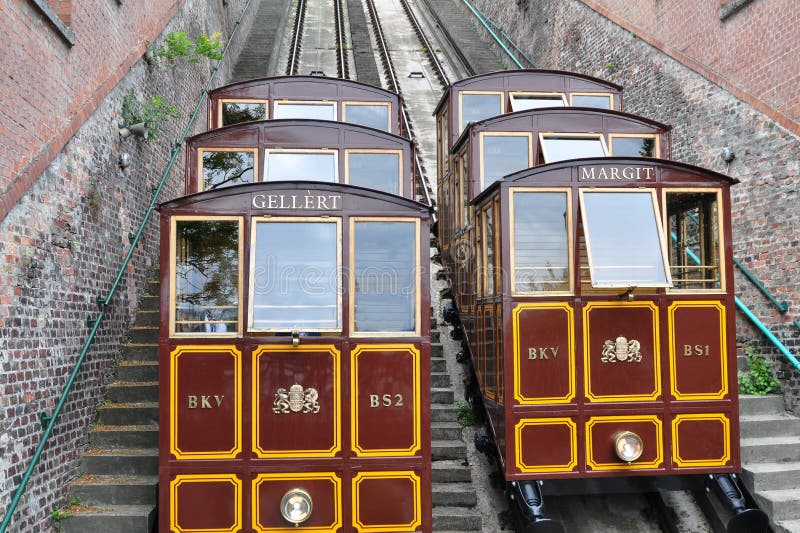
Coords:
610,66
60,513
153,113
759,379
178,47
465,416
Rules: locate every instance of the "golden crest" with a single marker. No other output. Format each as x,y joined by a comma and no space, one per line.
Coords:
295,400
621,350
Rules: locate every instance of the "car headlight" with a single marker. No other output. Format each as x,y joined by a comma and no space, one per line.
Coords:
628,446
296,506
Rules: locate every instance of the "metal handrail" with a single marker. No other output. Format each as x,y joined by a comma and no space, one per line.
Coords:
104,302
493,34
782,306
490,25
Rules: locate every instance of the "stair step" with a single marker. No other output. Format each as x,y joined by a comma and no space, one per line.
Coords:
149,302
438,365
137,351
144,334
440,379
125,414
437,350
446,431
442,395
750,405
124,436
787,526
153,287
454,495
109,519
138,371
758,426
120,461
456,519
148,318
448,449
116,490
771,450
780,504
771,476
436,336
132,392
443,413
450,471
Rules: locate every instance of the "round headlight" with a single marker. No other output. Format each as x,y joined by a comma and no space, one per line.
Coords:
296,506
628,446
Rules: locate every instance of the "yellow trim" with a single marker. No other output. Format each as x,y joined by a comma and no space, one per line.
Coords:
610,96
358,103
723,349
201,151
388,528
173,236
573,428
415,356
587,382
258,393
636,465
399,153
461,126
174,401
570,234
204,478
482,135
417,280
297,476
524,400
223,101
612,136
722,461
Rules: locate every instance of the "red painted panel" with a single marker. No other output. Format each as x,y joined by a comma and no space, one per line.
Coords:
697,351
600,434
386,501
546,445
324,489
204,504
544,352
387,413
701,440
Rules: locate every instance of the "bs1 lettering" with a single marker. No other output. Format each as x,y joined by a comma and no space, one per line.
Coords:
203,401
385,400
695,350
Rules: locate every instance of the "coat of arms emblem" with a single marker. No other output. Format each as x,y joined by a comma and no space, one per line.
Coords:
621,350
296,400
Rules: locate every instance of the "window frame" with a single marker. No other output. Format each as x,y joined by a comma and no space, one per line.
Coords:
569,135
720,236
462,127
612,136
266,219
334,151
542,94
173,256
659,228
352,280
334,103
399,153
482,135
202,150
570,240
611,98
222,101
357,103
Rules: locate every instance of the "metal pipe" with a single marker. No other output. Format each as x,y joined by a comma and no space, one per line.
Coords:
782,306
767,333
517,49
104,302
493,34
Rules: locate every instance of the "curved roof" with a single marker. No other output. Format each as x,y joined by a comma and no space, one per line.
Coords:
300,80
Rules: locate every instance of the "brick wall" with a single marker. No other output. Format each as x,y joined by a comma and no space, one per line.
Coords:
62,241
569,35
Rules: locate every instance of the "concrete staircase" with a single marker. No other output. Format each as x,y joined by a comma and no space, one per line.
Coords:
770,440
118,484
454,497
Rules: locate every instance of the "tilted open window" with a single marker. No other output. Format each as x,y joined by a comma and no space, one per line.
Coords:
305,109
504,153
365,114
224,167
563,146
205,255
523,101
236,111
295,275
624,239
311,165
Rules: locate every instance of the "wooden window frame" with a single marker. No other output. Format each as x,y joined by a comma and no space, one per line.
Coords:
334,103
462,127
612,136
222,101
550,95
482,135
334,151
357,103
569,135
610,97
399,153
202,150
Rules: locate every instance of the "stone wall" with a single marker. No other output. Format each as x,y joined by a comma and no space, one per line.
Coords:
568,35
62,243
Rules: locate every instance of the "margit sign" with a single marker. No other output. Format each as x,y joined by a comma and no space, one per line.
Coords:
616,173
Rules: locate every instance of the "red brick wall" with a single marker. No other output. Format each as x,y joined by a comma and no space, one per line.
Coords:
62,8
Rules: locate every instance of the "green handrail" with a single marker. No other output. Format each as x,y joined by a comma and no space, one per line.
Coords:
104,302
782,306
493,34
490,25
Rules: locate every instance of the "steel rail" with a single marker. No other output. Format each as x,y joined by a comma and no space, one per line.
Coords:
341,51
297,33
395,86
437,65
95,322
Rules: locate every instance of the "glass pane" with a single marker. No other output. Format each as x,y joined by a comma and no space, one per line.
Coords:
520,102
295,277
374,116
541,251
488,329
206,276
588,100
385,276
475,107
236,112
503,155
375,171
305,110
633,146
290,166
562,148
223,169
488,236
694,254
623,239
